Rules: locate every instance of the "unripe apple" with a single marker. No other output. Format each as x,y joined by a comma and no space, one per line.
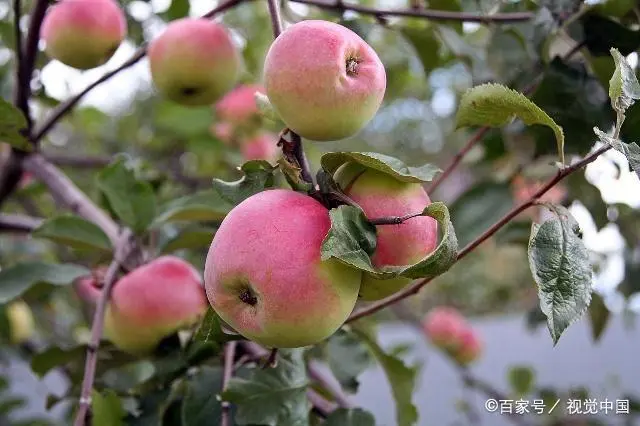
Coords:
83,33
149,303
381,195
264,275
261,146
21,322
444,326
470,347
325,82
194,61
239,105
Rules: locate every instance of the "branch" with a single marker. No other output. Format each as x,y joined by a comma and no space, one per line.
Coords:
122,250
276,22
18,36
414,288
89,162
229,355
68,194
434,15
332,386
65,107
18,223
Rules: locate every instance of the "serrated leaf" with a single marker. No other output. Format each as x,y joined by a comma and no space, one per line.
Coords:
106,409
133,201
258,176
274,396
347,358
73,231
331,161
210,329
201,405
495,105
521,380
16,279
201,206
350,417
599,316
624,88
12,123
559,262
402,380
630,150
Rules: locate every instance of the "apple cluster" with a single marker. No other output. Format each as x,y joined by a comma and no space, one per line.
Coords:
451,332
264,275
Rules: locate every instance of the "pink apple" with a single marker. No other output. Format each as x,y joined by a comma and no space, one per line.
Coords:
83,34
445,327
194,61
262,146
264,275
324,81
381,195
239,105
223,131
470,347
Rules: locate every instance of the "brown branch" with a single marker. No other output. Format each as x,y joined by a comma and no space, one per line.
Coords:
123,248
18,42
276,22
18,223
434,15
68,194
89,162
65,107
414,288
332,386
229,355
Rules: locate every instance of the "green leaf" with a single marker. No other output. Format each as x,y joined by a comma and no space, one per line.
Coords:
16,279
54,356
178,9
293,175
73,231
559,262
599,316
624,88
521,380
331,161
426,44
210,330
193,237
401,378
133,201
12,123
350,417
348,358
265,107
107,410
630,150
495,105
258,176
274,396
201,404
201,206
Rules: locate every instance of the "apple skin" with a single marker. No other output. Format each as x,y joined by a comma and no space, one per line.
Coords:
194,62
380,195
470,347
324,81
264,276
83,34
444,326
261,146
239,105
149,303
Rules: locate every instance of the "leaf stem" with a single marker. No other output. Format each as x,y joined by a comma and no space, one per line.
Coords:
229,355
415,287
393,220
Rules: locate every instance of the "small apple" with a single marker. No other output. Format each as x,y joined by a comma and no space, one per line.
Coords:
262,146
264,275
381,195
470,347
239,105
324,81
194,61
83,34
444,326
21,322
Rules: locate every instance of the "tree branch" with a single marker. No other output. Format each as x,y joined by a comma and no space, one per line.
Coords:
18,223
332,386
65,107
123,248
229,355
89,162
68,194
414,288
17,13
276,22
434,15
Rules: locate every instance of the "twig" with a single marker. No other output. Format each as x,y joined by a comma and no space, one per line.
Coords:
434,15
393,220
65,107
18,223
272,359
68,194
276,22
89,162
414,288
320,405
122,250
229,355
341,398
18,42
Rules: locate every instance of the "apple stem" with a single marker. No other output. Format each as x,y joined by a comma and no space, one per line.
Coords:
393,220
276,22
272,359
229,355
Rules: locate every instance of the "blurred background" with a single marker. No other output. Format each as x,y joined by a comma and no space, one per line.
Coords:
561,57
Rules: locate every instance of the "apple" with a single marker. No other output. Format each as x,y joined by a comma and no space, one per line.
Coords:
150,303
21,322
381,195
83,34
194,61
470,347
262,146
239,105
264,275
223,131
444,326
324,81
